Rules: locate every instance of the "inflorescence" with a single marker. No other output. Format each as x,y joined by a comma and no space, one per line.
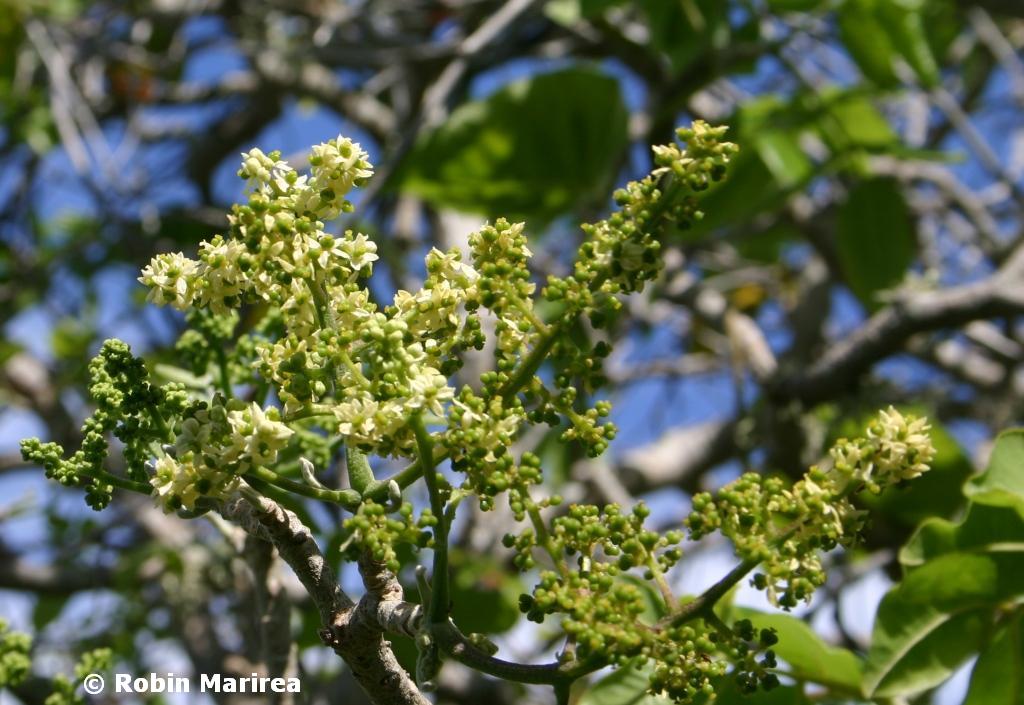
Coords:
279,309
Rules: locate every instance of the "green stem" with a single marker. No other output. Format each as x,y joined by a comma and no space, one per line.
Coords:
453,643
707,599
310,412
671,603
544,538
354,369
122,482
529,366
349,499
222,365
378,490
282,497
437,611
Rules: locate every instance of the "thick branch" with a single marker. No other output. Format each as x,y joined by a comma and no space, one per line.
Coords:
347,630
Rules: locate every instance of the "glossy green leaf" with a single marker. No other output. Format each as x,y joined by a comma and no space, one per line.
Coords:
878,32
984,529
875,238
1002,483
70,339
568,12
935,619
998,675
535,149
48,608
808,656
785,160
995,518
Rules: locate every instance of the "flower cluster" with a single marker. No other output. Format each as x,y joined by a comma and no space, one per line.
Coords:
339,354
67,691
895,448
215,444
128,407
600,608
784,528
621,253
606,612
14,658
688,658
373,532
280,308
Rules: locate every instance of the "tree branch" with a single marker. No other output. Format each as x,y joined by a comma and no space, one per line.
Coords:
347,630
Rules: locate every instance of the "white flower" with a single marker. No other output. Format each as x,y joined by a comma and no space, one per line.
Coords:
220,277
180,484
360,251
337,164
904,447
430,389
170,277
256,435
357,419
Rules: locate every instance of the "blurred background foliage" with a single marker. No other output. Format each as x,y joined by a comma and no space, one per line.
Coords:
882,155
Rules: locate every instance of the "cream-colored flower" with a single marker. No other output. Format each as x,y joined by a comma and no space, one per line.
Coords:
170,277
360,251
257,435
430,390
904,447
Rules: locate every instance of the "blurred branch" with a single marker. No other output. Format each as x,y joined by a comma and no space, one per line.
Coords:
840,366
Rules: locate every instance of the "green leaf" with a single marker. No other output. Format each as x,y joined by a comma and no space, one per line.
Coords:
568,12
48,608
536,149
684,30
851,120
904,21
876,32
1002,483
984,529
875,238
485,599
786,161
623,686
935,618
998,675
70,339
809,657
995,517
867,41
